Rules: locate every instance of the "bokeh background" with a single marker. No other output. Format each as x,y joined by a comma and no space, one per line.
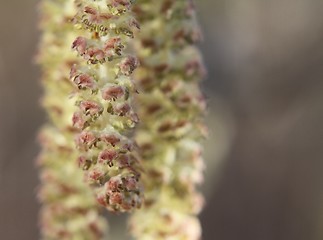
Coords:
264,179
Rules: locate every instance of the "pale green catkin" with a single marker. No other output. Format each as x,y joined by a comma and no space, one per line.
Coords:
104,98
69,209
96,94
171,107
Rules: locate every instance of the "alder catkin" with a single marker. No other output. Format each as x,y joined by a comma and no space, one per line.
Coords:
104,93
69,210
171,112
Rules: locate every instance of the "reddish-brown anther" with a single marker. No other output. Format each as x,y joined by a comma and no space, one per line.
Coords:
83,81
170,87
111,43
73,72
165,127
153,108
202,101
112,92
195,67
130,183
166,6
113,184
134,117
78,120
107,156
64,234
127,145
95,54
134,23
102,199
95,174
128,65
95,15
123,161
180,34
95,229
125,3
105,16
128,205
90,10
81,160
148,43
47,176
161,68
190,9
86,140
116,198
122,109
91,108
184,101
181,123
80,45
112,139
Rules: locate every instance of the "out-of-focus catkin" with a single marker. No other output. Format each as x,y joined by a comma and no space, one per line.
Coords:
171,127
89,95
104,99
69,209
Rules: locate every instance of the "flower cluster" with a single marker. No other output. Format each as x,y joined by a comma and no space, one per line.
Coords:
104,99
91,156
171,110
69,210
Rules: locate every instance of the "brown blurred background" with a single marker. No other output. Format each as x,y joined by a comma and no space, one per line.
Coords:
265,90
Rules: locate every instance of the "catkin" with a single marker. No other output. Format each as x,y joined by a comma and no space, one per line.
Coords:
104,93
171,113
69,210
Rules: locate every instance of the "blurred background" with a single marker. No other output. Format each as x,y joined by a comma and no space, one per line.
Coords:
264,179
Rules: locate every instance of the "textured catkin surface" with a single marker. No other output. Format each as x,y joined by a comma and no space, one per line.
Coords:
171,110
105,114
264,60
69,209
